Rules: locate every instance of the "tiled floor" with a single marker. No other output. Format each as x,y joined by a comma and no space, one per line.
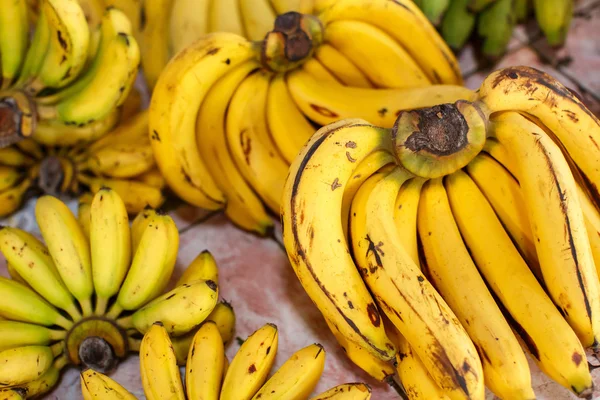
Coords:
255,273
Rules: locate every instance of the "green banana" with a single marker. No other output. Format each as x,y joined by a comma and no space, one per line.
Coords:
495,26
554,17
434,9
458,24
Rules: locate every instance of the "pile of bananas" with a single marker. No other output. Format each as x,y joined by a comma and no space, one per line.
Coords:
62,90
495,20
209,376
227,140
86,302
464,230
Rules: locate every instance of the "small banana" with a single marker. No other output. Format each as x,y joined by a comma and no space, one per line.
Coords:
251,365
95,385
121,160
203,267
17,334
11,394
204,368
346,391
458,24
139,225
45,382
434,9
495,26
554,17
14,31
12,198
24,364
225,16
84,213
224,316
341,67
258,18
188,22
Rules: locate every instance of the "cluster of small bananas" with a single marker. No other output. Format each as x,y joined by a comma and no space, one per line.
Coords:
87,294
64,89
227,140
465,229
495,20
209,376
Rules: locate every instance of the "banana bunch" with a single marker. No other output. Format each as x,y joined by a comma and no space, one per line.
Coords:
82,296
457,241
226,141
210,376
495,20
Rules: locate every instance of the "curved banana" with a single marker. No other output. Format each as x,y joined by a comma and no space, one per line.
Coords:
323,103
158,366
378,55
129,131
121,161
173,112
180,310
188,22
311,198
14,34
69,248
45,382
249,141
202,267
36,51
110,243
314,67
153,35
224,316
346,391
12,157
12,198
258,18
152,178
251,365
453,272
33,263
204,368
95,385
543,331
404,294
24,364
405,216
18,334
297,377
139,225
552,203
341,67
56,133
243,206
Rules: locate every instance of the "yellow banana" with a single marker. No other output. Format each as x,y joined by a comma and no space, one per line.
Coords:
12,157
153,178
14,34
18,334
203,267
14,274
312,196
341,67
68,247
225,16
33,263
11,394
249,141
325,103
158,366
153,36
129,131
139,225
592,225
24,364
258,18
456,277
283,6
552,203
31,148
405,216
173,112
543,331
36,51
378,55
180,309
243,206
12,198
110,243
408,299
297,377
204,368
188,22
55,133
346,391
84,213
95,385
251,365
319,72
224,316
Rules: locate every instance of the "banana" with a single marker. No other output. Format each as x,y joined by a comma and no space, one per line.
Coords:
31,148
69,248
404,294
458,24
151,258
136,195
556,107
202,267
341,67
121,161
297,377
84,213
543,331
67,50
434,9
173,112
250,143
14,274
204,368
251,365
243,206
95,385
495,25
503,192
14,34
181,346
224,316
36,51
592,225
551,200
12,157
258,18
24,364
480,5
378,55
319,72
283,6
554,17
152,178
225,16
33,263
187,23
346,391
455,275
110,243
56,133
325,103
11,394
12,198
93,11
522,9
129,131
405,216
180,309
139,225
417,35
313,242
45,382
18,334
158,366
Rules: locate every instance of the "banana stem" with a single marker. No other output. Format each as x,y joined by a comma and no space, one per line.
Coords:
58,348
56,334
64,323
134,344
74,312
61,362
126,322
101,304
86,306
114,311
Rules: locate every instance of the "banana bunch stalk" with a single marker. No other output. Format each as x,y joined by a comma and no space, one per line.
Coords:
78,299
210,376
457,241
226,141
